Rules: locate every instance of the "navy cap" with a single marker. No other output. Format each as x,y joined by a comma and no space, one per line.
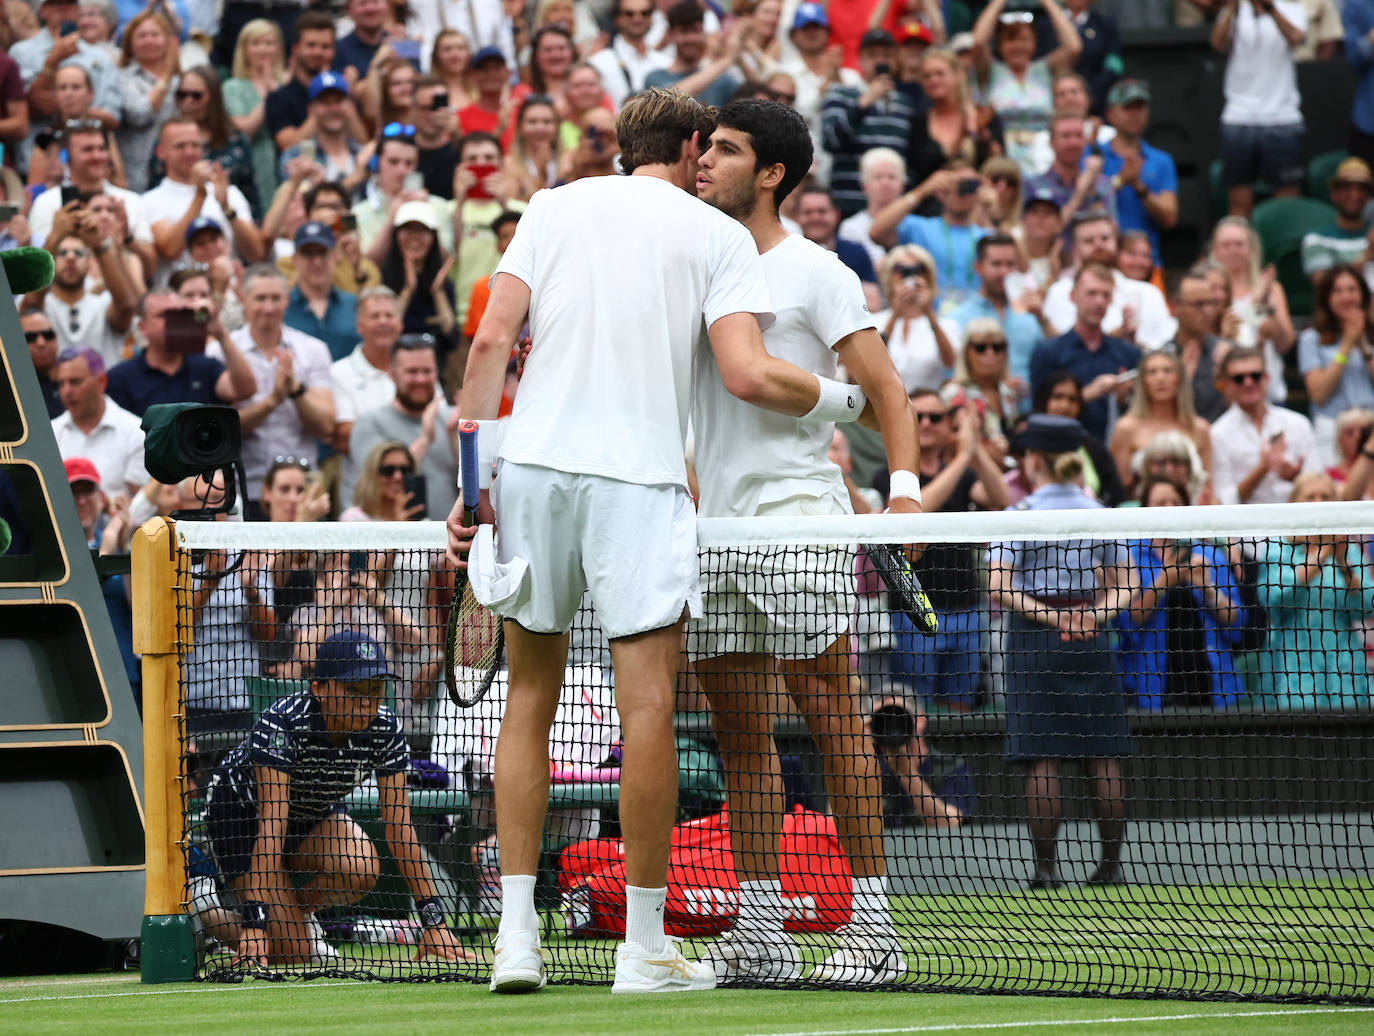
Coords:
1044,196
313,232
810,14
328,80
1050,433
350,655
488,54
203,223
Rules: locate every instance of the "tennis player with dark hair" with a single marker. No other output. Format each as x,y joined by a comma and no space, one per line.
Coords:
788,611
618,276
274,809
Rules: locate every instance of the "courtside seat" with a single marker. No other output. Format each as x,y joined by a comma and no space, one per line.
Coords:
1281,224
1320,169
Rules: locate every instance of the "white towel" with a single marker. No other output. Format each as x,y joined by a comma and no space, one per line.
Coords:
494,584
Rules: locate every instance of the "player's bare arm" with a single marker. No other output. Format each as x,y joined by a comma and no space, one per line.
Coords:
866,359
755,376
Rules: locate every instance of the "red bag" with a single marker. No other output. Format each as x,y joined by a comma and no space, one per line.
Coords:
703,893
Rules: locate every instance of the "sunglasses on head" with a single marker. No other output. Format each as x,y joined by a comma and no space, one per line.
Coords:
39,336
398,129
291,462
392,470
78,125
1254,377
996,345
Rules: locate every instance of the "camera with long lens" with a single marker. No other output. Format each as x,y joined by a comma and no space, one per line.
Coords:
183,440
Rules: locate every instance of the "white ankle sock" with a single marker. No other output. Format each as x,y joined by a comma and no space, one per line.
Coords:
870,903
518,916
760,905
644,917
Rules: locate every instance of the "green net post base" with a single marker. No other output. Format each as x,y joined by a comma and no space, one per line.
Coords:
168,951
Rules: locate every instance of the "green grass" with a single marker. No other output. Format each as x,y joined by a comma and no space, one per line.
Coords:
113,1005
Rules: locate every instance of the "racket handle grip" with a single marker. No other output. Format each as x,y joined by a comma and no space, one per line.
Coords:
467,463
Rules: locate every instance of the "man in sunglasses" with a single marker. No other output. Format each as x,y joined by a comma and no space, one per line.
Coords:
42,342
1022,321
630,58
83,318
1258,448
1348,239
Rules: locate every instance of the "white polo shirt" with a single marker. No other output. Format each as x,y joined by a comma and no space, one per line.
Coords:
1237,445
85,325
169,200
358,386
45,207
114,446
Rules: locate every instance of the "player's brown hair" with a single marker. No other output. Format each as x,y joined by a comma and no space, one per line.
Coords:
655,123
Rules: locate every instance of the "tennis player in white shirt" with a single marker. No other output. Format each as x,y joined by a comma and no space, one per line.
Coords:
788,611
618,276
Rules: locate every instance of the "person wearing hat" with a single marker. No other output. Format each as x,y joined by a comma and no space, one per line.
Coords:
1143,176
398,156
1349,239
275,812
417,267
332,120
1064,696
1042,230
315,305
287,108
490,77
818,65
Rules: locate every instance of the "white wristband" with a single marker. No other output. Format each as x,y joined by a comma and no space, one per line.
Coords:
904,484
490,435
838,402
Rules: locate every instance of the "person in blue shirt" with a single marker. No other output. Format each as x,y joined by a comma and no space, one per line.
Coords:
819,218
1358,18
1144,177
1025,327
274,809
316,306
1177,636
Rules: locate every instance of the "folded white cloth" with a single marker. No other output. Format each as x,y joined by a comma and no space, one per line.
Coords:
495,584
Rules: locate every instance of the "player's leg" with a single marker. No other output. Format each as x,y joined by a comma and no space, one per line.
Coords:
1109,809
1045,810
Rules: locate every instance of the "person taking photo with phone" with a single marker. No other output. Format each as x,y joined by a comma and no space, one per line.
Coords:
82,318
435,128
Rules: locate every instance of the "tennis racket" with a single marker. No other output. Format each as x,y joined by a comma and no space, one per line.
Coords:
476,639
894,569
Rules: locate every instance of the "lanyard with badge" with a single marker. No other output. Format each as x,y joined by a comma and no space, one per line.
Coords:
948,274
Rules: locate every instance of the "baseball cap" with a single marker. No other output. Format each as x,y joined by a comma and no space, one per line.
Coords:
79,469
350,655
487,54
1042,196
915,32
1353,170
1051,433
416,212
203,223
313,232
877,38
327,80
1128,91
962,41
810,14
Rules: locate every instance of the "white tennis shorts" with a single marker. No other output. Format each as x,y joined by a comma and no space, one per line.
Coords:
787,602
633,547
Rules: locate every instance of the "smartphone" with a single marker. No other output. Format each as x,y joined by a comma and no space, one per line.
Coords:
968,186
348,222
417,487
70,193
8,211
357,561
596,139
478,191
882,68
308,150
186,329
1125,377
414,182
440,101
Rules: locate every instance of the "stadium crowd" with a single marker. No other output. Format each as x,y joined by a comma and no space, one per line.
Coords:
293,208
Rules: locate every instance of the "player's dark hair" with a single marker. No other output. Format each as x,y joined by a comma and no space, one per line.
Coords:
778,135
998,240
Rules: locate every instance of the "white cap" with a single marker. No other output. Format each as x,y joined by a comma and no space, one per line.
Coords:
421,212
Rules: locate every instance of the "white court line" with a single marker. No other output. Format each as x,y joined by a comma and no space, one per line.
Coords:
197,989
1123,1020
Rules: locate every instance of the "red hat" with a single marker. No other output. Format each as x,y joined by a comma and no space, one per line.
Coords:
914,32
79,469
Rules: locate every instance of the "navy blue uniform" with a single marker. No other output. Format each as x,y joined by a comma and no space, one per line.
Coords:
290,736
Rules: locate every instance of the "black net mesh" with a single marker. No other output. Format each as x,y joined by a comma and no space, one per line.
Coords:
1122,767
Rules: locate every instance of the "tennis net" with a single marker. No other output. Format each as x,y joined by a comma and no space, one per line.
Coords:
1137,758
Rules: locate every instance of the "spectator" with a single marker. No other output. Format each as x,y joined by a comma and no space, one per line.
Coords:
337,157
585,99
292,410
417,268
913,43
819,220
398,157
1095,357
73,98
20,22
763,46
596,151
362,379
1138,311
1042,228
503,229
1173,456
1182,624
1195,306
194,286
536,149
814,70
290,493
381,494
1075,178
315,306
921,345
480,194
205,245
194,187
951,237
1162,401
1022,320
199,99
1261,123
1064,697
1317,591
357,49
627,62
945,134
705,74
41,339
958,474
287,108
159,373
490,79
1347,240
1325,33
94,426
1353,428
14,106
1002,197
1135,258
1335,354
83,318
882,178
417,415
259,67
1143,177
451,61
1099,62
552,54
855,120
328,203
1258,449
898,734
148,80
983,382
1358,19
434,129
39,57
1257,298
1017,86
388,94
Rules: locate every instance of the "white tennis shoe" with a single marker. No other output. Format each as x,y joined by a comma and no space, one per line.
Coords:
519,966
864,958
741,955
668,971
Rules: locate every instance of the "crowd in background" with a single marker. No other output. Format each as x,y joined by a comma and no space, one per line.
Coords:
293,208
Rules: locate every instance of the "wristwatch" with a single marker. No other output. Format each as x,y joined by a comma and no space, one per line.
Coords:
297,392
431,912
231,215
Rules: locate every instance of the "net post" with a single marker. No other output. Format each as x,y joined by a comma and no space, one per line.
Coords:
168,939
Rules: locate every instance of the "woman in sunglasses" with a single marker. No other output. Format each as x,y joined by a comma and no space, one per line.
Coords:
1162,402
982,379
148,79
922,347
198,97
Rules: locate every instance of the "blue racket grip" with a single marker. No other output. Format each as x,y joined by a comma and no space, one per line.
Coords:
467,460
